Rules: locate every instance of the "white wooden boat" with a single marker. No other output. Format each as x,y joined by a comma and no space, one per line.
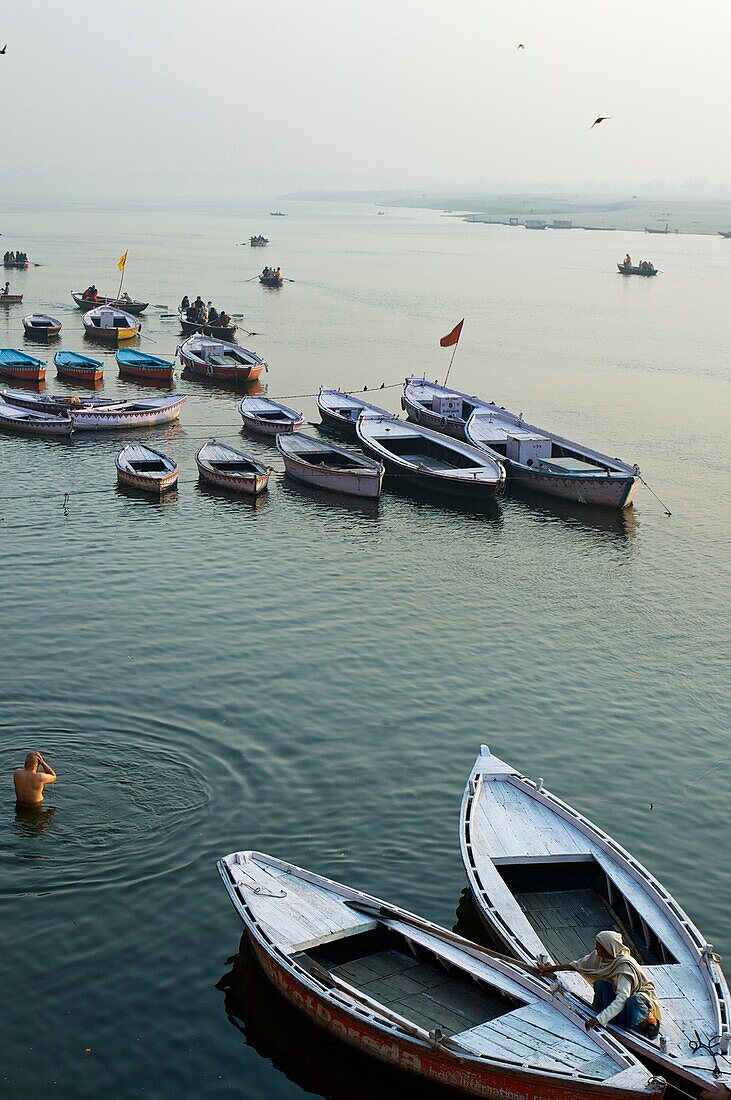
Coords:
128,414
534,457
219,361
341,410
259,414
143,468
228,468
414,995
59,404
111,325
546,880
319,463
13,418
430,460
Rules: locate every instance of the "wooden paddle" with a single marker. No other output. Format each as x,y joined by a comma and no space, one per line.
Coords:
440,933
332,981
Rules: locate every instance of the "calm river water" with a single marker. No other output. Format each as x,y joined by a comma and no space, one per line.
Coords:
315,679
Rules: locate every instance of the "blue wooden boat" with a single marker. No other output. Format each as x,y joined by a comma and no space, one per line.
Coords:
78,368
16,364
144,367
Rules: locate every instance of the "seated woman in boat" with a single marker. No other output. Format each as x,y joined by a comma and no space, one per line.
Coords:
185,304
623,991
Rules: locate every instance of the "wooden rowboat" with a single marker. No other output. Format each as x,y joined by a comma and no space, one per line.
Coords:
101,300
633,269
78,368
111,325
20,264
39,326
219,361
101,414
266,417
228,468
18,365
429,460
341,410
10,299
318,463
417,996
218,332
28,422
271,280
144,367
150,471
546,880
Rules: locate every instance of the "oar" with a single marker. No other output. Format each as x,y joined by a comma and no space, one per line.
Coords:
432,1039
439,933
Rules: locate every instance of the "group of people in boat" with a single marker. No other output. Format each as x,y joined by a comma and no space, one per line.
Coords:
204,313
272,273
644,265
259,239
15,257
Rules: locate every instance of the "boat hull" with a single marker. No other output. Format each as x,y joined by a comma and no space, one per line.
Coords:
395,1050
19,264
234,483
10,299
218,333
158,375
90,420
271,427
23,372
612,491
59,428
111,335
214,372
270,281
361,484
338,423
155,486
88,303
88,375
636,271
427,419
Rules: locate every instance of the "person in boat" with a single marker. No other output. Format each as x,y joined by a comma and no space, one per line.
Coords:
628,260
6,290
223,319
30,780
623,991
185,304
11,257
92,294
278,273
213,316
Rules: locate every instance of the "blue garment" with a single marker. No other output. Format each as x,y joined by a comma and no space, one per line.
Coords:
634,1011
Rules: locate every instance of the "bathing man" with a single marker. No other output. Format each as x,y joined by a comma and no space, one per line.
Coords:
30,780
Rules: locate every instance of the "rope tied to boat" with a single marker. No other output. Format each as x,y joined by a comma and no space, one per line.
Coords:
256,887
657,498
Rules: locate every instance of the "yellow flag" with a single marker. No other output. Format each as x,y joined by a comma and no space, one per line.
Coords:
122,262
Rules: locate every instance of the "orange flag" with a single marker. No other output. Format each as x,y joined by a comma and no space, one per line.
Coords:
452,337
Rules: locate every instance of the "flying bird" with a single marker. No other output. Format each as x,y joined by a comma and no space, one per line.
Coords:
4,48
602,118
521,46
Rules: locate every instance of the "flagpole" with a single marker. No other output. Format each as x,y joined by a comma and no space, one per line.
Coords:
122,279
451,360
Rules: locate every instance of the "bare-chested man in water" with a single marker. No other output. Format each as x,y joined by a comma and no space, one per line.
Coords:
30,780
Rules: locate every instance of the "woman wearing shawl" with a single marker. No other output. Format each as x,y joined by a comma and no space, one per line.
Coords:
623,992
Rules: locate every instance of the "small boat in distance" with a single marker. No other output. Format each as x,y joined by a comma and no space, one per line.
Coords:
418,996
318,463
78,368
277,214
219,361
149,471
18,365
341,410
19,264
259,414
722,234
143,367
39,326
218,332
111,325
429,460
128,305
546,881
30,422
258,241
638,269
228,468
271,280
666,230
536,223
10,299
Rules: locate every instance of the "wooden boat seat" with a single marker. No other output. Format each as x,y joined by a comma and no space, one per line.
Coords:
430,461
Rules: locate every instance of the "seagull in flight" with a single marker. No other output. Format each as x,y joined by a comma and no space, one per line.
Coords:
521,46
4,48
602,118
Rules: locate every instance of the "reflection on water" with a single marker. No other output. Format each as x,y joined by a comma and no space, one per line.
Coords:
248,389
621,523
232,498
306,1054
364,506
33,820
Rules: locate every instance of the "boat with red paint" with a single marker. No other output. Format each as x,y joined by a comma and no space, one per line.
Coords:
415,995
143,468
143,367
16,364
78,368
219,361
128,305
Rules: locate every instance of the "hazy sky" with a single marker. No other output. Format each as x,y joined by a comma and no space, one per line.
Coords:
234,97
